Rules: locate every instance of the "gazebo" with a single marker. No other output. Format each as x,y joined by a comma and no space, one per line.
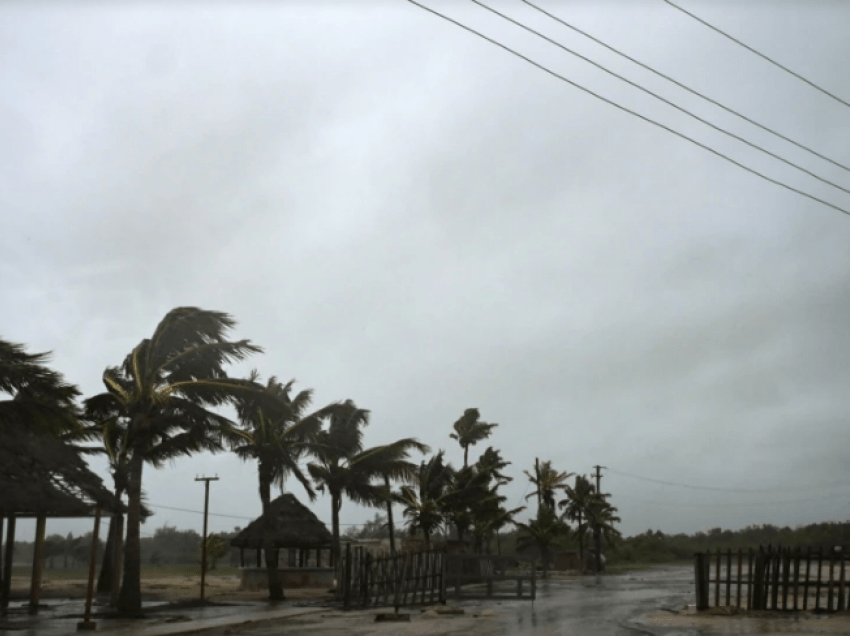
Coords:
41,477
296,530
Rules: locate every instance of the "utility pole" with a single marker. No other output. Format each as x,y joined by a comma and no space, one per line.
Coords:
206,481
597,533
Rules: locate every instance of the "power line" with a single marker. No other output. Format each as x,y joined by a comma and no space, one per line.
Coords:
687,88
213,514
738,490
733,504
761,55
627,110
660,98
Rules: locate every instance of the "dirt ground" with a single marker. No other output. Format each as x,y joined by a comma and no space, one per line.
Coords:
172,588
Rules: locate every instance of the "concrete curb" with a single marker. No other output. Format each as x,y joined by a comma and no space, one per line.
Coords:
203,625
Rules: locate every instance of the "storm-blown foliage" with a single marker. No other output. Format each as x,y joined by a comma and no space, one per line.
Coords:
164,389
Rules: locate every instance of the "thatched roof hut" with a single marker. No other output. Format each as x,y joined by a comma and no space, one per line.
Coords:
42,476
295,527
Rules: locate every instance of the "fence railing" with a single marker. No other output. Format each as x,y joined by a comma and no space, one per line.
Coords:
773,578
427,577
404,579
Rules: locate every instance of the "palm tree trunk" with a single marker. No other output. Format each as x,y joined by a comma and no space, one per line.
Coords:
580,545
107,569
104,580
465,455
336,504
390,516
130,599
544,554
275,586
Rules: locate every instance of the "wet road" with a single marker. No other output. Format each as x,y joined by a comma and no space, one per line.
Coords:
606,606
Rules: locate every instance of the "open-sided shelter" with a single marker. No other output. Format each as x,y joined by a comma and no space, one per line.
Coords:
296,530
41,477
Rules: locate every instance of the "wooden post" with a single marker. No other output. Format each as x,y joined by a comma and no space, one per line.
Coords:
777,558
797,555
757,582
750,578
117,560
259,561
533,583
37,563
829,607
806,584
818,582
738,592
841,598
728,575
345,570
717,580
87,623
698,587
242,557
7,563
786,571
443,570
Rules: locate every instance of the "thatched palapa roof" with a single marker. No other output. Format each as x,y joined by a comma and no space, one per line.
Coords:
41,475
295,527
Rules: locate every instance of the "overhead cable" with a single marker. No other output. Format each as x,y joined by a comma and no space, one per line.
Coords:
844,483
628,110
660,98
687,88
761,55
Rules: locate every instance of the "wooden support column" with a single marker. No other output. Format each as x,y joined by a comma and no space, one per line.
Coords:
117,560
241,557
259,560
87,624
7,563
37,563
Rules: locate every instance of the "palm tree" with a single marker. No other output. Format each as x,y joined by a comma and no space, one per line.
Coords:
40,396
344,468
579,499
543,533
165,387
425,504
469,430
275,434
546,481
601,517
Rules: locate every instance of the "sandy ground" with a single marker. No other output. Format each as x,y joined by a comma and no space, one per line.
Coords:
171,589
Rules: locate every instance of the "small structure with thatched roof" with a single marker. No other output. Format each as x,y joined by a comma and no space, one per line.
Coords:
299,533
41,477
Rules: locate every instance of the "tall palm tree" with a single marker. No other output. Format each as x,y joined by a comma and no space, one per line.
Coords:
344,468
166,387
426,502
576,505
275,433
469,430
601,517
543,532
546,481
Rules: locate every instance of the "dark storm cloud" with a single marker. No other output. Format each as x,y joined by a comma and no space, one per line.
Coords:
401,215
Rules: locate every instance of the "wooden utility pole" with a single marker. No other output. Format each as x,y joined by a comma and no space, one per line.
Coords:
597,534
87,624
206,481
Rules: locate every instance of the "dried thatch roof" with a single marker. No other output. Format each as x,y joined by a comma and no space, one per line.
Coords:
295,527
41,475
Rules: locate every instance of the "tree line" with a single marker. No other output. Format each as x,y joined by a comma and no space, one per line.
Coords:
164,400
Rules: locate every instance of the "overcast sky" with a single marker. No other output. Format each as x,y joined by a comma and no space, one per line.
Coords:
405,215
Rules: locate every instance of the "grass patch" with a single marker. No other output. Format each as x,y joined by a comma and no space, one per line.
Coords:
148,572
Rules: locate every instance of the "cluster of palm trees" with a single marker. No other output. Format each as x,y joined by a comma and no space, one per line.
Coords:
164,401
591,511
467,498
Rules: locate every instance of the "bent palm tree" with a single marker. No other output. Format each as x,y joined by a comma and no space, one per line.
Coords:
601,517
276,434
40,395
425,504
165,387
546,481
344,467
543,532
469,430
576,505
